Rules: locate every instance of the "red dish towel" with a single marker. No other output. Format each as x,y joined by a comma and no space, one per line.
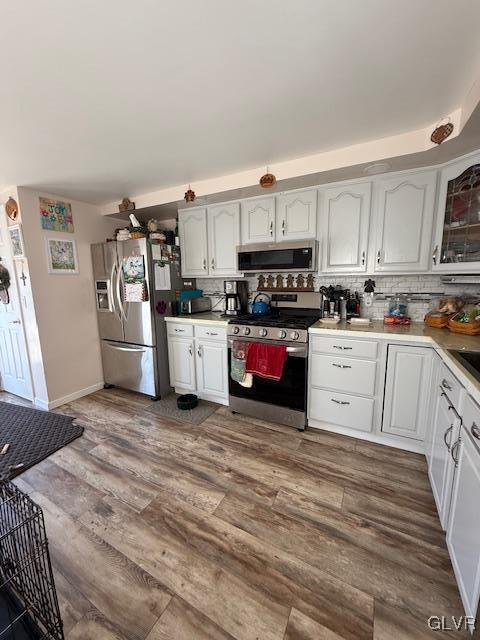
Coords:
266,360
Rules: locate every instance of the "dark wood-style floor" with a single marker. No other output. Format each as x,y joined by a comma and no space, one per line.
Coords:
237,528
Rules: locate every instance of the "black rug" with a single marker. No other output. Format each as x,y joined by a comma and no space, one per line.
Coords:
32,435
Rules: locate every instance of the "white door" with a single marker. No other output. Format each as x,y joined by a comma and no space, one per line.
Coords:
345,219
258,220
404,219
296,215
407,389
223,222
212,369
463,539
192,229
181,360
441,467
15,367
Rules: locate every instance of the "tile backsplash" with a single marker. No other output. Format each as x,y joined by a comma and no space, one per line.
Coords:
427,286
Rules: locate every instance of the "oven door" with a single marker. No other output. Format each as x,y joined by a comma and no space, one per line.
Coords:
289,392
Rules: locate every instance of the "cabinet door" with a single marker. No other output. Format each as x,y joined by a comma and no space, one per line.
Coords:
212,370
258,220
223,238
406,391
457,233
404,218
463,540
432,405
345,217
181,360
297,215
441,466
192,228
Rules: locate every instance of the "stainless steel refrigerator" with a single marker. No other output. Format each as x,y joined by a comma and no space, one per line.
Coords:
133,335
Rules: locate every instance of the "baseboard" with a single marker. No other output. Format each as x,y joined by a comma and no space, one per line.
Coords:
53,404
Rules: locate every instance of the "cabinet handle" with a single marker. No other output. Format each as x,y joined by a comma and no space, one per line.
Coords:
446,385
434,255
454,451
180,330
336,346
271,228
449,430
213,263
190,350
475,431
341,366
204,264
378,256
199,352
211,333
339,401
363,258
283,227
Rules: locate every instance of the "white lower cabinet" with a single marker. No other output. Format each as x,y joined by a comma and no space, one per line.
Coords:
199,363
406,391
181,361
344,410
212,369
445,432
463,533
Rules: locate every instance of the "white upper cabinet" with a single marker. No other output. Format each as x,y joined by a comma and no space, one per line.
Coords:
344,224
192,228
296,217
258,220
403,217
456,245
223,221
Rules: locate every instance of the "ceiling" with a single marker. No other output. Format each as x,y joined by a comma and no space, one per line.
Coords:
99,100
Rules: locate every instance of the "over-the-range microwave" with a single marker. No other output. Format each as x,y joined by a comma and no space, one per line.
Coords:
280,256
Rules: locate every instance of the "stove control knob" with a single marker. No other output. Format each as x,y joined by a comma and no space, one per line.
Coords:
282,333
294,335
263,332
236,329
246,331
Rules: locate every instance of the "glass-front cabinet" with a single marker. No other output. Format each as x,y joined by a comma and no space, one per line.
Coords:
457,239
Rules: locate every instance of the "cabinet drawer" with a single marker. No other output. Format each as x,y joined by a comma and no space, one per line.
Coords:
471,419
179,329
450,385
344,346
343,374
210,332
339,408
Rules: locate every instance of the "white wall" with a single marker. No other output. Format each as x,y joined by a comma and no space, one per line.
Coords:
65,304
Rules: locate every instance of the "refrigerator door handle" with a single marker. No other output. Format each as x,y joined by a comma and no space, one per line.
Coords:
117,348
110,292
118,290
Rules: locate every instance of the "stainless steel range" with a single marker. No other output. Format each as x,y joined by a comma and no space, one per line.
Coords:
284,401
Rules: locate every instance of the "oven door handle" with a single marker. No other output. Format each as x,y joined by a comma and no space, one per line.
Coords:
295,352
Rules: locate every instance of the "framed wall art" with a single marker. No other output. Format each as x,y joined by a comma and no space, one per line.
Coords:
62,256
56,215
16,240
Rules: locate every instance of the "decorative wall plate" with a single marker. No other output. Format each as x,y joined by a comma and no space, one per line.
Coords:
11,208
441,133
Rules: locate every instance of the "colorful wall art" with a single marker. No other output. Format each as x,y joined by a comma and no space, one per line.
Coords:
56,215
62,256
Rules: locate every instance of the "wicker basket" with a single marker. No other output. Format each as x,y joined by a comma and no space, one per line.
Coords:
437,320
467,328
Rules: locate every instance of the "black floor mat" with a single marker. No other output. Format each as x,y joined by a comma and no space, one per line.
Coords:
32,435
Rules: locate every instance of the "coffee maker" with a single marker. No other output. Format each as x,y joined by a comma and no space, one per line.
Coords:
236,297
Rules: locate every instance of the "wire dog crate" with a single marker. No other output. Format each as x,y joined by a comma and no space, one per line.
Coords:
28,600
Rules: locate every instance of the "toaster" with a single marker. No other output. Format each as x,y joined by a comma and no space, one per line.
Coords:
195,305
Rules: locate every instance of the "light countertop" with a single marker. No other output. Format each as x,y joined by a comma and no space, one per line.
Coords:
206,318
440,339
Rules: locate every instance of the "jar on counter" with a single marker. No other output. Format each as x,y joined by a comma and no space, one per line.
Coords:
398,306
